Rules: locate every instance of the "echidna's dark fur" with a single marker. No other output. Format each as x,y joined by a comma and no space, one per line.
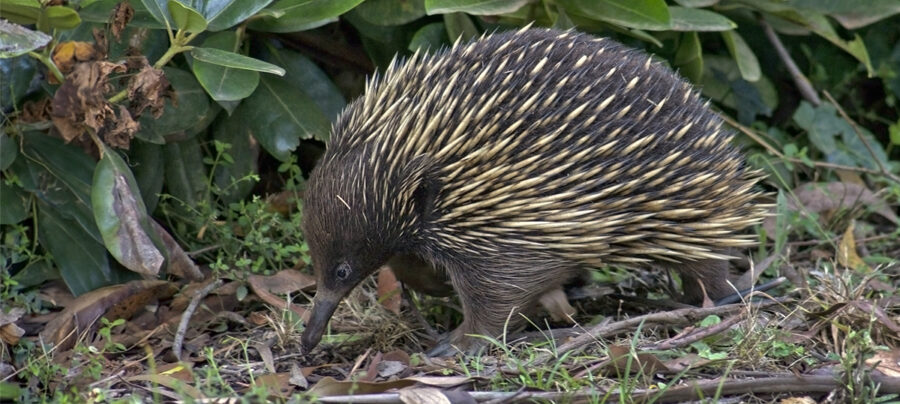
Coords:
516,160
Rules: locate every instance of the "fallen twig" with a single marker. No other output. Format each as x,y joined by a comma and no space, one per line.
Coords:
188,313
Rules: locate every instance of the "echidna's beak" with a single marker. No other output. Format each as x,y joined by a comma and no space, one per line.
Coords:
323,308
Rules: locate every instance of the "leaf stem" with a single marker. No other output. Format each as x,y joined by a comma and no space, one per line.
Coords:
47,61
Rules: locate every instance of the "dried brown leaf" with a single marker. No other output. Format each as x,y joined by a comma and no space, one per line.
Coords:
121,16
286,281
179,263
10,333
148,89
389,290
138,253
80,101
113,302
621,358
846,253
832,197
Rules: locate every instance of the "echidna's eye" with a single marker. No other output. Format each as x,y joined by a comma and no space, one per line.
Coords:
342,272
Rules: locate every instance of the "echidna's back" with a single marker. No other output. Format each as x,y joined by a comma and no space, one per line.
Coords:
560,143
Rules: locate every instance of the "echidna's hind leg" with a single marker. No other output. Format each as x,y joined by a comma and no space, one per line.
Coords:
712,274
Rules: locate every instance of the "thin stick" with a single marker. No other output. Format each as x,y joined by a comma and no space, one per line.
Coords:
859,134
803,83
188,313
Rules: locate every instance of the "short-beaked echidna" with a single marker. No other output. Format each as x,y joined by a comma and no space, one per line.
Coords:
516,161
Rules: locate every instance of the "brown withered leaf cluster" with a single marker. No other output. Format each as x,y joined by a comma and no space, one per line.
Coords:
121,16
148,89
81,103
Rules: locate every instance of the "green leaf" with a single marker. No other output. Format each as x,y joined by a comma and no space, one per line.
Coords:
61,17
224,83
147,161
193,106
689,57
475,7
8,151
234,60
430,38
99,12
894,132
186,18
722,82
820,25
159,9
743,55
693,19
185,173
309,79
14,204
232,178
563,21
391,12
279,116
225,14
82,261
24,12
18,73
697,3
301,15
460,27
58,174
641,14
122,217
16,40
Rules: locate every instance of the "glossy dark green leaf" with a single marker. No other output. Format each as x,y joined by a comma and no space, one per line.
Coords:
743,55
233,60
819,24
689,57
301,15
650,15
224,14
36,273
147,162
476,7
13,204
309,79
60,175
382,42
391,12
279,116
185,173
193,106
694,19
563,21
9,150
232,177
722,83
697,3
100,10
60,17
17,73
224,83
24,12
186,18
460,27
82,261
430,38
159,9
122,217
16,40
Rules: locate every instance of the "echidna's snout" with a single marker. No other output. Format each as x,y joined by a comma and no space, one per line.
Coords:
323,307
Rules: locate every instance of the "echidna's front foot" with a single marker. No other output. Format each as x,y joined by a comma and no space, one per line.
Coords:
456,342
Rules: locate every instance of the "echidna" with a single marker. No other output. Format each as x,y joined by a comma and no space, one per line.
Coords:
518,160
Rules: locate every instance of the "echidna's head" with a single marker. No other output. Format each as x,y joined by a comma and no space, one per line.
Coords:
355,217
